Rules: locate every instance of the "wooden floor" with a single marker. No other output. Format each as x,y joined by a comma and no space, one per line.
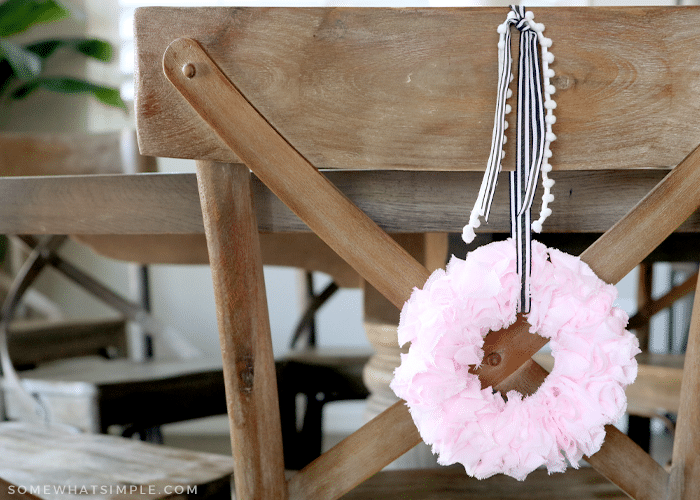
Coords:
453,484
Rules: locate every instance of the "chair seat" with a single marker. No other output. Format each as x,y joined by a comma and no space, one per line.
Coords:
123,392
451,483
50,459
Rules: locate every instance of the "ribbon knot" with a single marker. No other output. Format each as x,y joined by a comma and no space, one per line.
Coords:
519,20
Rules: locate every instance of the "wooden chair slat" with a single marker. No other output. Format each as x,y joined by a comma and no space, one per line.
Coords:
357,457
281,126
415,88
155,204
244,330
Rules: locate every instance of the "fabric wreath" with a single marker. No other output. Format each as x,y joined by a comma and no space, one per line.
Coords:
446,323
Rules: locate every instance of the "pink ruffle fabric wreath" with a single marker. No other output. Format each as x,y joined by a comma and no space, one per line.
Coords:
446,323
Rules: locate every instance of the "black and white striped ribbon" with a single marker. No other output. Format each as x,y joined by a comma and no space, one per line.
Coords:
530,137
533,136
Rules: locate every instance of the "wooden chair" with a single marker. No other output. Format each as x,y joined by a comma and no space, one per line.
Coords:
346,88
404,89
288,92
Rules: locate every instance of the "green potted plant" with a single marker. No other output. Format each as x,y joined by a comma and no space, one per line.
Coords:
21,65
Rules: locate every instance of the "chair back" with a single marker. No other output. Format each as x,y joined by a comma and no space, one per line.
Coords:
387,94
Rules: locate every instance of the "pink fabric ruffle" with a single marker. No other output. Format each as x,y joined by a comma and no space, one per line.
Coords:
446,323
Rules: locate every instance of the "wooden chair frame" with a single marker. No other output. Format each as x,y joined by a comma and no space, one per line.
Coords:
226,198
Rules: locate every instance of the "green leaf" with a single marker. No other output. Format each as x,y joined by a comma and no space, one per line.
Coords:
19,15
25,64
97,49
90,47
44,48
107,95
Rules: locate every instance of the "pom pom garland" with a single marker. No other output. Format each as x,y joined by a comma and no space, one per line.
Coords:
446,323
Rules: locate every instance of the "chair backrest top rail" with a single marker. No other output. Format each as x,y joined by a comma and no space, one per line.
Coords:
414,89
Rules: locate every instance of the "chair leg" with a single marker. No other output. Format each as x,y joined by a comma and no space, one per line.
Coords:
244,330
685,472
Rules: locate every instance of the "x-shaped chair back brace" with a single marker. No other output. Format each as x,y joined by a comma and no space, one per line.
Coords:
234,254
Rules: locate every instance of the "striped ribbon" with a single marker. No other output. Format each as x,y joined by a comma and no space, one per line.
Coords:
530,142
529,147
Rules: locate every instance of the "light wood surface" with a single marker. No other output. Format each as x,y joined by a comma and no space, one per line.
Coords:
347,464
37,456
415,88
685,483
453,484
328,212
244,330
398,201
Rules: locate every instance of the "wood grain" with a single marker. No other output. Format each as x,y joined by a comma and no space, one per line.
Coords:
346,465
619,459
104,204
244,330
329,213
415,88
35,456
358,456
589,202
686,443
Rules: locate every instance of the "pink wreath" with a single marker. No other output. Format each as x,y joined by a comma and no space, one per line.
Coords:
446,323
